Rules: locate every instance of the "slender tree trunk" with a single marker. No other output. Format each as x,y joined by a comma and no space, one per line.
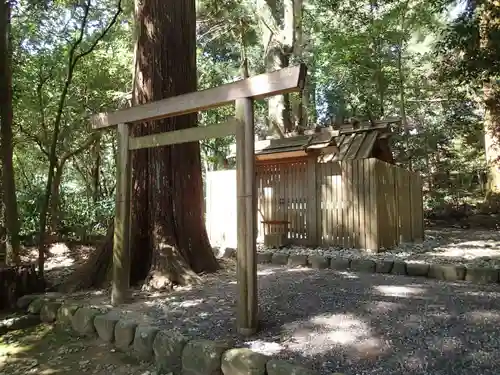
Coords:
491,136
299,55
55,206
73,58
6,115
3,228
278,105
169,241
96,152
273,41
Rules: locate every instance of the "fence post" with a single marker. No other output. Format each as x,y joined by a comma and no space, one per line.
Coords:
247,219
373,242
121,246
312,202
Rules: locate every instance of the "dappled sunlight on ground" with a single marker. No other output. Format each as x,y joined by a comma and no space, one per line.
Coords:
399,291
322,332
265,347
265,272
470,247
468,250
484,316
340,321
43,350
299,269
336,321
348,275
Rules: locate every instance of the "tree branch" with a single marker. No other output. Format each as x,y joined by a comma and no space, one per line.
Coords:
35,139
103,34
39,90
90,140
83,174
72,61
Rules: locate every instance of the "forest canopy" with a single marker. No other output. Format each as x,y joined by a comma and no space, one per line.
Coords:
433,64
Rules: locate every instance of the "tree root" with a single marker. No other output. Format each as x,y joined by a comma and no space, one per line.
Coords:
162,270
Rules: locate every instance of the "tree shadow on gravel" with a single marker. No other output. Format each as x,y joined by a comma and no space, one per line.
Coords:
340,321
450,245
352,323
377,324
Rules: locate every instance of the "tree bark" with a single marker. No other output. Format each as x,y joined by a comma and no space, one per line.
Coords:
169,243
165,67
489,12
491,136
96,169
6,115
275,41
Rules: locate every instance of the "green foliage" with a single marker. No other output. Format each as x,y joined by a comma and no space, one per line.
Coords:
363,58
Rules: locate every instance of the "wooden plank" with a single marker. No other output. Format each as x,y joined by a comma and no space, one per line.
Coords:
397,183
258,183
342,223
312,202
121,236
374,217
282,81
332,208
393,221
355,218
407,235
356,144
344,147
320,188
285,181
346,203
383,204
362,203
336,202
325,200
367,147
351,198
195,134
265,194
337,197
414,203
333,202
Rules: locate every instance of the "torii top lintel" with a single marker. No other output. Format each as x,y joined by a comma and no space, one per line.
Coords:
282,81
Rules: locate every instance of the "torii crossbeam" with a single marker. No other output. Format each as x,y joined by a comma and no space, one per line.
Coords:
242,93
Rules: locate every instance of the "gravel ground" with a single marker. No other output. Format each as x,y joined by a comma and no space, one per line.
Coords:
351,323
446,246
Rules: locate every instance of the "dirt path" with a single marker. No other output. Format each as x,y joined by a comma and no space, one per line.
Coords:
45,351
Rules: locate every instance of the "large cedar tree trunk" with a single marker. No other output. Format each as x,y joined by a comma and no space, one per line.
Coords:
169,241
8,180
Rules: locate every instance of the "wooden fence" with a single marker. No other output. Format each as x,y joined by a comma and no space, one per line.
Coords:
363,203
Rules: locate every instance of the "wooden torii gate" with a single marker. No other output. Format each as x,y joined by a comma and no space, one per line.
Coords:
243,93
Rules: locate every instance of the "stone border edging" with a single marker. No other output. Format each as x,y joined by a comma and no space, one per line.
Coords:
448,272
172,352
